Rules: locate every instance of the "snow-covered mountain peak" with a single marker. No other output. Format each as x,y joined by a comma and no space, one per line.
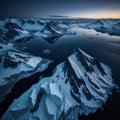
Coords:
15,65
80,85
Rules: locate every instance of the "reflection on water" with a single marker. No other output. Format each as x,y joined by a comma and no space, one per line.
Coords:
52,40
98,45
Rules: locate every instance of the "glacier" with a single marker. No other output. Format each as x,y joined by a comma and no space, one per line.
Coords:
79,85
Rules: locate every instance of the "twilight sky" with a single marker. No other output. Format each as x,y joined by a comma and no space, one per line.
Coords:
72,8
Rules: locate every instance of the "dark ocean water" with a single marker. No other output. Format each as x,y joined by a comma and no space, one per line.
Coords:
103,47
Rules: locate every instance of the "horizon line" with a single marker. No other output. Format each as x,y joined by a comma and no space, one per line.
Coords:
60,17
